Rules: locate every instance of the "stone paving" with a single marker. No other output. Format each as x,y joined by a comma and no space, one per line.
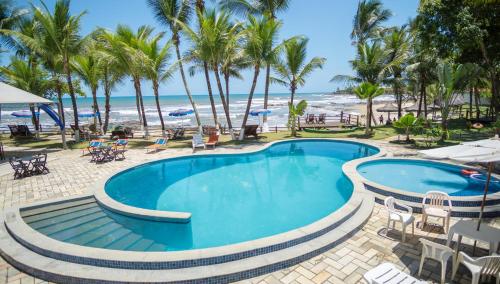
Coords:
72,174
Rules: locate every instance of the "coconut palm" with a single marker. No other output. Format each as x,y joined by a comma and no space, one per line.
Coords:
258,33
158,69
368,91
262,7
63,31
88,69
265,8
171,13
367,22
124,47
398,43
10,17
295,111
293,68
210,43
233,61
408,123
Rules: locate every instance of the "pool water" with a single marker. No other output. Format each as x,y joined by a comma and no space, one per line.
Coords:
239,197
423,176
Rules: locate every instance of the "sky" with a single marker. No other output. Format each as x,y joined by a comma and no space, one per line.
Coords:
327,24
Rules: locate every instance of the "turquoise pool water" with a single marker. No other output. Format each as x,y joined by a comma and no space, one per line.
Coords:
237,198
422,176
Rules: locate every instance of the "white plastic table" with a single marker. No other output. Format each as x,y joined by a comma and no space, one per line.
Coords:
467,228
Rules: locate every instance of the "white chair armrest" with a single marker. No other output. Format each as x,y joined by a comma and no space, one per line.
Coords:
408,208
397,213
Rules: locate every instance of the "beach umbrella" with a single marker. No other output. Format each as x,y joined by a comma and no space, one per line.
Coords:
87,114
24,114
181,112
388,107
482,151
259,112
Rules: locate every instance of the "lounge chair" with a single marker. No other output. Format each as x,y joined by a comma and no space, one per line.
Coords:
213,139
21,131
434,205
83,133
251,130
310,119
159,143
208,129
387,273
124,133
119,149
394,215
198,142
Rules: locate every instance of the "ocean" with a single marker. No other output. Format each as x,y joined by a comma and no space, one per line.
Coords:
123,108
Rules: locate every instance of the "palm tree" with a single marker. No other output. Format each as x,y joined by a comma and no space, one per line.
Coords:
262,7
368,91
171,13
10,17
63,31
257,34
368,19
398,43
124,46
157,69
293,68
88,68
233,60
370,65
295,111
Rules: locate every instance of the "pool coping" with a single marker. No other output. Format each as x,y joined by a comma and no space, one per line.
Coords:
463,206
45,245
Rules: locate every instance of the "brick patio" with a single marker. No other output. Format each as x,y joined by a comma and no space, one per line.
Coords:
71,175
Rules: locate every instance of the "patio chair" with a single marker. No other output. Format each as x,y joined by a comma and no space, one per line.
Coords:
39,164
321,118
84,134
437,204
396,215
93,144
119,149
178,133
437,252
387,273
20,169
124,133
213,139
479,266
198,142
251,130
310,119
159,143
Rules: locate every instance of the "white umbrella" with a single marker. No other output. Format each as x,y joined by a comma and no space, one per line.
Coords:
482,151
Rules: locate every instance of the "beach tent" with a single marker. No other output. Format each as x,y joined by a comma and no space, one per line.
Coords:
12,95
482,151
388,107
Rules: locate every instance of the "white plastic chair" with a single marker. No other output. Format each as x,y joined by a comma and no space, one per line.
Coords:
437,252
395,215
387,273
198,142
433,205
479,267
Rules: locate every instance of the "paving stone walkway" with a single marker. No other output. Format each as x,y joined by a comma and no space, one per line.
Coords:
72,174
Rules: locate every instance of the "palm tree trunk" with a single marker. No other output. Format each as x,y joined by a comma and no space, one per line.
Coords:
210,94
223,100
478,110
184,81
73,98
368,116
60,109
226,81
137,86
107,107
138,105
266,90
158,107
97,113
249,103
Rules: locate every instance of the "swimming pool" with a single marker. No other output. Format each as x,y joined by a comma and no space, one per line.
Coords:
419,176
237,197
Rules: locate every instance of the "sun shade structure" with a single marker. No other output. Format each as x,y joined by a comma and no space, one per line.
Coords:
481,151
181,112
257,112
388,107
12,95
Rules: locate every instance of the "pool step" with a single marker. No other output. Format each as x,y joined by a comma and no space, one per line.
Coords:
84,222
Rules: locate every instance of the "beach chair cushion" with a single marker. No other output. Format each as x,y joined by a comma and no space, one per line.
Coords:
387,273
